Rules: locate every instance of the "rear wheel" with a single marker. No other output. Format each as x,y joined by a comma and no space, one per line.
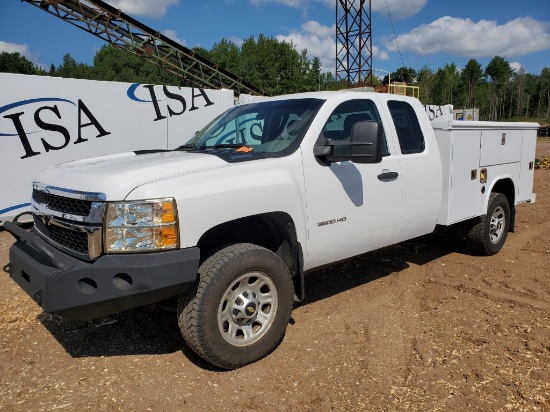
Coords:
489,234
238,309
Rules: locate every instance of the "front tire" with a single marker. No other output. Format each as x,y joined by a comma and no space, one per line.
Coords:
239,308
489,234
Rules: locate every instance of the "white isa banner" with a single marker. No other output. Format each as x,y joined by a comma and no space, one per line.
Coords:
52,120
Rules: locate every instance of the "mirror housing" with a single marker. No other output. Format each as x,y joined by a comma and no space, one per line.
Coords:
363,146
323,150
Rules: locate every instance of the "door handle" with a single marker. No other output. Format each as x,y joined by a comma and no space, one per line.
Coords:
388,176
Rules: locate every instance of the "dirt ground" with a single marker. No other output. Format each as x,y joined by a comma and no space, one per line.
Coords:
422,326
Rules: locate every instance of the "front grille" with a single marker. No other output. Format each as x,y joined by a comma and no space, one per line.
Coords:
69,220
62,204
71,239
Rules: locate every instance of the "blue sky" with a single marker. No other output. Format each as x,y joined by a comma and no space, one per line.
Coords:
429,32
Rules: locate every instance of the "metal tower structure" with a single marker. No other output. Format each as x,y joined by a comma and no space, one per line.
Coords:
353,42
106,22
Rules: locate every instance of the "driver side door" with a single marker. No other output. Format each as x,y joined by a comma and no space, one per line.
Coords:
352,208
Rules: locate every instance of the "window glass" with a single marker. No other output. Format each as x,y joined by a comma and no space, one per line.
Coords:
264,127
407,127
343,118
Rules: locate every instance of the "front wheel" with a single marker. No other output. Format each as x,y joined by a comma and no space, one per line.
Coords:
489,234
238,309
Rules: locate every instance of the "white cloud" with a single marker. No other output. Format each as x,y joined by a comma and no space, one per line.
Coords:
317,29
236,41
317,39
294,4
23,50
467,38
171,34
155,9
379,54
399,9
516,66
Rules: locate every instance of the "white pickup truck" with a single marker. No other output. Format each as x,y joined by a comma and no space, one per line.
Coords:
231,220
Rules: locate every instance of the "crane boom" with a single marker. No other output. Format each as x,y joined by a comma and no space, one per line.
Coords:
106,22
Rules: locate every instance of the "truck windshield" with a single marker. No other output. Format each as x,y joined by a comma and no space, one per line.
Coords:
276,127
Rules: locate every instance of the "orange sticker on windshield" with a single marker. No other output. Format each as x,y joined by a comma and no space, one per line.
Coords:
244,149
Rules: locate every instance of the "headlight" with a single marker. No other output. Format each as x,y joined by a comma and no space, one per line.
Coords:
141,226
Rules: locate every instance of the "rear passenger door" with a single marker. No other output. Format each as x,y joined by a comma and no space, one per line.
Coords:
420,166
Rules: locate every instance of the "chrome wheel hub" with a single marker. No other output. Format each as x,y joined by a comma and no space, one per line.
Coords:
247,309
496,225
244,307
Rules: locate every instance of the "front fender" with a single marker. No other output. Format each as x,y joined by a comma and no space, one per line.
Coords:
210,198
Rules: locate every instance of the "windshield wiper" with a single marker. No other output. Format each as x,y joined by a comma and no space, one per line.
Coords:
193,146
188,146
227,146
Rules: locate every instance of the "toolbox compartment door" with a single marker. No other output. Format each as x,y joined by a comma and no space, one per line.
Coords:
500,147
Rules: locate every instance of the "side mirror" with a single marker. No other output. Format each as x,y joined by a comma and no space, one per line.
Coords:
363,146
323,150
367,141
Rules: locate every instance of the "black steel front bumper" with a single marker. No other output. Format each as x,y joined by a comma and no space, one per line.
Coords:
66,286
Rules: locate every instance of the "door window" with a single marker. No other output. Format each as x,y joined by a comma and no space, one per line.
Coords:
343,118
407,127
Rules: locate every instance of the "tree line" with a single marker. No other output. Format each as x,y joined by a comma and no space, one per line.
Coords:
498,91
277,67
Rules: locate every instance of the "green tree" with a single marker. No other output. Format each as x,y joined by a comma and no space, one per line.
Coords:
425,81
404,74
226,54
71,69
498,70
482,99
304,73
445,85
115,64
520,91
273,66
470,78
201,51
269,64
315,74
15,63
543,94
328,82
498,73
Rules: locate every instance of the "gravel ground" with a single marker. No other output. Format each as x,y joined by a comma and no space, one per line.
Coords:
422,326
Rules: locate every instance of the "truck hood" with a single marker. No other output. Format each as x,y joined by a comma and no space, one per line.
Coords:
117,175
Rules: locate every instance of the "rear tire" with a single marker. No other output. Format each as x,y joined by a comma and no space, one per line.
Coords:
488,236
239,308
